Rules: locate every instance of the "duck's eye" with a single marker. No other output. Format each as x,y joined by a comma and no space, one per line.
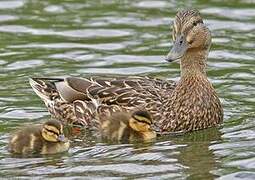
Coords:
194,23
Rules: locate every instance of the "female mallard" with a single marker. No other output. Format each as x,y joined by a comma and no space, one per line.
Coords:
41,139
186,105
122,126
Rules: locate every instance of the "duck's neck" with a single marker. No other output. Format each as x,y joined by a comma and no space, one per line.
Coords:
194,63
194,103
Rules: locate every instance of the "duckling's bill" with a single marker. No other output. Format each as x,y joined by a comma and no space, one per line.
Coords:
62,138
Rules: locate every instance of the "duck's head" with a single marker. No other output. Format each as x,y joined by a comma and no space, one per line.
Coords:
141,121
52,131
189,34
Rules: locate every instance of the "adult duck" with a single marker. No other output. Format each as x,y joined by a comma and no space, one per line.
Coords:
186,105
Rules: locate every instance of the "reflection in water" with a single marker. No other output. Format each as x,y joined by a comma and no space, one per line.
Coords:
55,38
197,155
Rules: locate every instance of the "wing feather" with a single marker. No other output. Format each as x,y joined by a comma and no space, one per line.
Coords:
95,96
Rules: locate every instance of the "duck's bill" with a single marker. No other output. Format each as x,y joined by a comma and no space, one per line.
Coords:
62,138
178,50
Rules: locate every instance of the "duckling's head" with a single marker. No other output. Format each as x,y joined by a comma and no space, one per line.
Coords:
189,34
141,121
52,131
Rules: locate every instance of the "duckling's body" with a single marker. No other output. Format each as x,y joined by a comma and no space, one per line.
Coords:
122,126
39,139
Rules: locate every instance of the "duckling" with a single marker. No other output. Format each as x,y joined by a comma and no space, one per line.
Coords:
47,138
122,126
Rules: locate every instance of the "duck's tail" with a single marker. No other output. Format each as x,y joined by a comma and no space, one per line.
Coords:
63,102
45,88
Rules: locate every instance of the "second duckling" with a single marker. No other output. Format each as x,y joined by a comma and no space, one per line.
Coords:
47,138
123,126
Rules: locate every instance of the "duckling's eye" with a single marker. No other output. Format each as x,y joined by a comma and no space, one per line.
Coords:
52,132
194,23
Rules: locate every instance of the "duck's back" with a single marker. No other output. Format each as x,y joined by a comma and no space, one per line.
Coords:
80,99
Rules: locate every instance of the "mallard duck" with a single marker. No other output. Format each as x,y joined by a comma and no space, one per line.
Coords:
186,105
41,139
123,126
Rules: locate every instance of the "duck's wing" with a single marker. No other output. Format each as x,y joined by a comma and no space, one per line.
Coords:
80,99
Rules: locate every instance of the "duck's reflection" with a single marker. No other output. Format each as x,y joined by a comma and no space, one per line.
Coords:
197,156
190,152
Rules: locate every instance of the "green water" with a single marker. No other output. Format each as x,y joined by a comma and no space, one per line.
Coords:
73,37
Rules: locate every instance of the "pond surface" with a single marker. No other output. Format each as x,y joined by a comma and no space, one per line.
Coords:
59,38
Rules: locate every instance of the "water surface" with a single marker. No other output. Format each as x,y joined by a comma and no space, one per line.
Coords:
81,38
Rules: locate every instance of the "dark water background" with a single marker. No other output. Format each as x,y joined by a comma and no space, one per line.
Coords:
59,38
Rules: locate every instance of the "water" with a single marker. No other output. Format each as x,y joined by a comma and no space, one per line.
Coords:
60,38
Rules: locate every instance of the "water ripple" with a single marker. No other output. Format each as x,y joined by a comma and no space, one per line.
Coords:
11,4
61,38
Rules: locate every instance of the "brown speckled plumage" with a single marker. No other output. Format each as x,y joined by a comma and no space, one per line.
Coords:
186,105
